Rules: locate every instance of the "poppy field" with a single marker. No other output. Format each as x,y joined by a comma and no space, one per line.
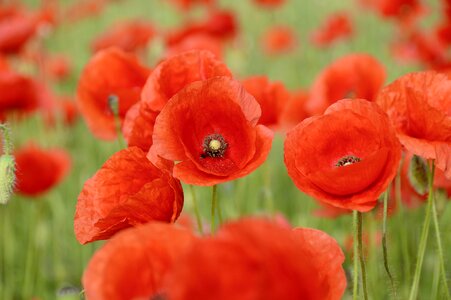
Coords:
225,149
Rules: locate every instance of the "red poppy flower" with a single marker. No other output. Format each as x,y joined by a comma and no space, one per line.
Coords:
346,157
210,127
166,80
351,76
18,92
260,260
110,201
272,97
199,41
149,251
406,11
129,36
329,211
419,107
335,27
38,170
68,110
279,39
83,9
110,72
220,24
16,29
270,3
58,67
294,111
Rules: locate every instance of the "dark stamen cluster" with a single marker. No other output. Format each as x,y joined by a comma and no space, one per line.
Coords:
347,160
214,145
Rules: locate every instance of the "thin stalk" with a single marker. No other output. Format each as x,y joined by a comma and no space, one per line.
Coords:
196,211
423,240
437,233
361,255
384,243
402,230
355,279
213,207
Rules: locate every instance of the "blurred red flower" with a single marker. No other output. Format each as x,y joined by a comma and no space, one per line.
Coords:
346,157
38,170
419,107
18,92
197,41
260,259
130,36
210,127
110,72
272,97
220,24
17,27
337,26
149,251
166,80
294,111
351,76
127,190
279,39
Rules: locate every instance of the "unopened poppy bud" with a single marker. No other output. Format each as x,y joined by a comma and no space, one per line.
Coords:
113,104
7,177
417,175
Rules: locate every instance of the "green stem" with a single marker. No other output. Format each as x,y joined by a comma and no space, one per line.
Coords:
196,211
384,243
437,232
361,255
7,146
213,207
423,240
355,274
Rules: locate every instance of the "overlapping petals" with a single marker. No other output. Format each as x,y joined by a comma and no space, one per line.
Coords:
351,76
346,157
217,109
419,107
109,73
260,259
135,263
128,190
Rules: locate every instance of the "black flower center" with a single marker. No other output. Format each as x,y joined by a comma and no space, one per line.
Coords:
214,145
347,160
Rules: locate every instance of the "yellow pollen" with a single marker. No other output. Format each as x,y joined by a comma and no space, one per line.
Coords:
214,145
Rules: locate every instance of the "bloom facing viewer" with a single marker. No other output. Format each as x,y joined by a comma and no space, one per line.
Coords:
211,128
346,157
419,107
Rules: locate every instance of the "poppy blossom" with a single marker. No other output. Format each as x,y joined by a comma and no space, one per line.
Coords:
38,170
109,73
351,76
130,36
260,259
110,201
419,107
83,9
148,251
166,80
345,158
329,211
18,92
219,24
16,29
294,111
211,128
199,41
272,97
335,27
279,39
